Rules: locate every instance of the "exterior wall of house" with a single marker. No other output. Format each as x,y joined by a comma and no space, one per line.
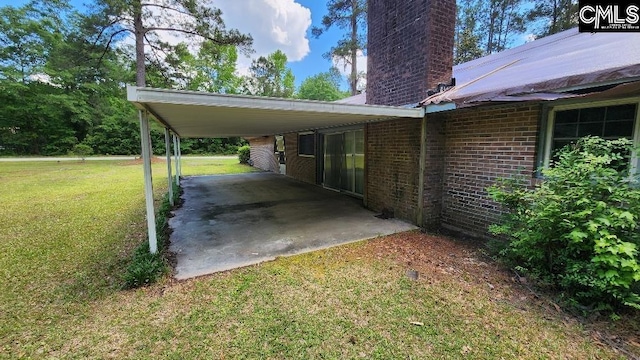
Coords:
262,154
410,49
433,171
302,168
392,164
483,144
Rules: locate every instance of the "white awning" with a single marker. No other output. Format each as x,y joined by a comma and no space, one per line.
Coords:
200,114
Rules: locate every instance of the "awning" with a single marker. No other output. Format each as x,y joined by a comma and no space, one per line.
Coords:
199,114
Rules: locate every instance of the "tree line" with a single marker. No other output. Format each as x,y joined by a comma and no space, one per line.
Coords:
485,27
63,71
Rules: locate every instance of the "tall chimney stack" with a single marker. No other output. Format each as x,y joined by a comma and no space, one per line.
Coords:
410,49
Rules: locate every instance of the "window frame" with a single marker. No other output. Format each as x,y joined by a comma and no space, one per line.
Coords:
550,123
313,136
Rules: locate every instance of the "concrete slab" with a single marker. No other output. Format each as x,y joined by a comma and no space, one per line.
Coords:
230,221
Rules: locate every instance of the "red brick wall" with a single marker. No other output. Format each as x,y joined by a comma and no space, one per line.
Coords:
262,154
392,166
483,144
410,49
298,167
433,171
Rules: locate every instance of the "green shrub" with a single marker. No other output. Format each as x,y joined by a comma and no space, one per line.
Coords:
578,230
145,268
244,153
82,150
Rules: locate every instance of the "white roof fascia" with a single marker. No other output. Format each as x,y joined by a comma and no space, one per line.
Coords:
434,108
141,96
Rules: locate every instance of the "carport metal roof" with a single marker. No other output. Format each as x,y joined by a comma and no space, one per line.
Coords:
199,114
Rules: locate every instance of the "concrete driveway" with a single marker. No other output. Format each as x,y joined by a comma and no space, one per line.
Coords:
230,221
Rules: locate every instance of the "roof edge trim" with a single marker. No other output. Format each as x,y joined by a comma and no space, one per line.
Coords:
144,95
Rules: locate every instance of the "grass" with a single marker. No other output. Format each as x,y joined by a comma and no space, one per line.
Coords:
213,166
68,229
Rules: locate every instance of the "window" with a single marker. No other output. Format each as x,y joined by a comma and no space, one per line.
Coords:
610,120
306,144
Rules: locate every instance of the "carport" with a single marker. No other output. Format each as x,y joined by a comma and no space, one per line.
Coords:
207,115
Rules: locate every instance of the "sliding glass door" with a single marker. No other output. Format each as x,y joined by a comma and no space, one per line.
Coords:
344,161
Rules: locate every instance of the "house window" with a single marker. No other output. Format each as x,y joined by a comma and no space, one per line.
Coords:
611,120
306,144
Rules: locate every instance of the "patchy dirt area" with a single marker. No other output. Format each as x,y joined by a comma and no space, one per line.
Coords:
442,258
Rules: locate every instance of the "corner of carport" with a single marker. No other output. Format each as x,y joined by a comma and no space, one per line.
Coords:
209,115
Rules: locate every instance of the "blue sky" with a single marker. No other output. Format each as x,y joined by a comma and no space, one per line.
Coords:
279,24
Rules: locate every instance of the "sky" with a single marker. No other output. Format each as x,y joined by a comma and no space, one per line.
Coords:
275,24
284,25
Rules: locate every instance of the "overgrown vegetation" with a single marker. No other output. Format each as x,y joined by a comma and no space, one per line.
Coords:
578,230
145,268
244,154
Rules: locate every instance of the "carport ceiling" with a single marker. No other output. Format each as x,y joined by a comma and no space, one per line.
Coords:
199,114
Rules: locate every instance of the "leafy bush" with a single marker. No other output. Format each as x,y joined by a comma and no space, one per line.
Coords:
578,230
244,154
82,150
145,268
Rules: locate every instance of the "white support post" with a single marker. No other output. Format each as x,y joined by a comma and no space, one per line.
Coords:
175,157
179,162
145,140
167,144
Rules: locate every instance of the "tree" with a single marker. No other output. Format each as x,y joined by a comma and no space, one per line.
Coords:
270,77
503,20
467,37
212,69
324,86
38,114
350,15
487,26
554,16
147,21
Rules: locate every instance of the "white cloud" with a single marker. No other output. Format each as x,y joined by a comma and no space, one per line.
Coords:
273,24
345,68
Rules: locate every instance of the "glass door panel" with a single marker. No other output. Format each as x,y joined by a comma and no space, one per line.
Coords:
333,159
359,162
348,165
344,161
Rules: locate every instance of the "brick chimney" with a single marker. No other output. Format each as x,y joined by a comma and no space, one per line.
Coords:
410,49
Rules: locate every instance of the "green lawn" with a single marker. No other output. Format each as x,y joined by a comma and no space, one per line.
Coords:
67,230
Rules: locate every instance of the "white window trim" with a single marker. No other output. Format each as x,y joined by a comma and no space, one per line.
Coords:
314,144
635,157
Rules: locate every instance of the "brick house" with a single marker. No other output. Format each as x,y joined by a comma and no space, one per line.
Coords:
504,113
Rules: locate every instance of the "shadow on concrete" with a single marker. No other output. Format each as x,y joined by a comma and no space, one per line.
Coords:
230,221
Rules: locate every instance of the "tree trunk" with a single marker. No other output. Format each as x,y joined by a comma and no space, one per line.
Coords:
353,81
139,34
